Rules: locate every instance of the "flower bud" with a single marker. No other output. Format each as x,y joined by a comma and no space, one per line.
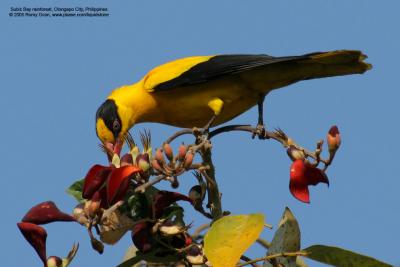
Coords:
195,255
80,215
143,161
188,160
159,156
182,151
54,261
294,153
175,183
126,160
333,138
92,206
156,165
168,151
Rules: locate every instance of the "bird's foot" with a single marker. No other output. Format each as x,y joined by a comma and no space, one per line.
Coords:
260,132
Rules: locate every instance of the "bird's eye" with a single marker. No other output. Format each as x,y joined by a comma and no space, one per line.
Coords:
116,126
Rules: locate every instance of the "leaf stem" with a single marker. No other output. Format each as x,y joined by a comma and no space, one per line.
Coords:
283,254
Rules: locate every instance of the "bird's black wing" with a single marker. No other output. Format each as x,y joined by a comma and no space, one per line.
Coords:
218,66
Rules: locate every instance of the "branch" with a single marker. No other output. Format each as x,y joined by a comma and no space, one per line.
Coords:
277,135
283,254
142,188
200,229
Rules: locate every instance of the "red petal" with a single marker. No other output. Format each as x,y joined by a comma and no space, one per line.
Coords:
163,199
118,183
141,236
315,176
36,236
300,192
298,172
103,197
46,212
94,179
126,159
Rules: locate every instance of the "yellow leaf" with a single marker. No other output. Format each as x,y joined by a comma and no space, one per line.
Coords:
230,236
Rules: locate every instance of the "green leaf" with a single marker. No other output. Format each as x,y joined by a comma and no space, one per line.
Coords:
286,239
230,236
341,257
75,190
174,213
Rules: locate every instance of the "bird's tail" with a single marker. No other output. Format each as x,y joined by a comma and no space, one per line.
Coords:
288,70
335,63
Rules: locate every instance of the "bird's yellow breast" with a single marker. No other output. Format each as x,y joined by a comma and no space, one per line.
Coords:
185,106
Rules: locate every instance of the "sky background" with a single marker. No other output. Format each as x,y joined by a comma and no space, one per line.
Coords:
54,73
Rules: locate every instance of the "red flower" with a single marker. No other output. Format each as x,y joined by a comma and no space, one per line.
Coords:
36,236
118,183
94,179
142,237
46,212
164,199
111,183
302,175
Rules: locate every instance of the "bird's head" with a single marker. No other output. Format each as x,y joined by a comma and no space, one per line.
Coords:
111,124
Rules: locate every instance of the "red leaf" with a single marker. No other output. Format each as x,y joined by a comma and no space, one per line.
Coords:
118,183
46,212
94,179
36,236
163,199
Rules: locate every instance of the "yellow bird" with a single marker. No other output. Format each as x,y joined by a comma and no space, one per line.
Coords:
210,90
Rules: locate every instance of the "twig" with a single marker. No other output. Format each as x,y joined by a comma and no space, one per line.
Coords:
264,243
277,135
179,133
283,254
245,258
200,229
142,188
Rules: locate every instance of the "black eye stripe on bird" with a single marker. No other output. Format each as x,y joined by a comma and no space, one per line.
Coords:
210,90
108,111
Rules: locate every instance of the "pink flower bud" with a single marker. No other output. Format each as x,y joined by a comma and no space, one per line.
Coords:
159,156
156,165
188,160
182,151
168,151
333,138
